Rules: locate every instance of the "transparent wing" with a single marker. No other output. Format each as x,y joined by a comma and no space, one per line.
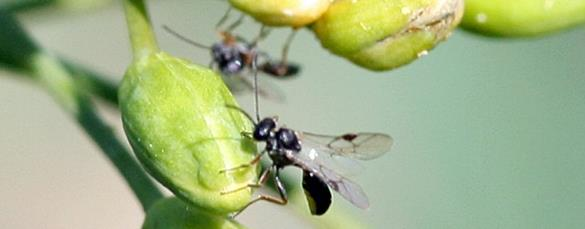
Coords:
320,154
345,187
362,146
240,84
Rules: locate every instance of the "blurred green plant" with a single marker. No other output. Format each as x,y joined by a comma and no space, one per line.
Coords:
20,53
383,35
156,89
71,5
521,18
176,214
72,84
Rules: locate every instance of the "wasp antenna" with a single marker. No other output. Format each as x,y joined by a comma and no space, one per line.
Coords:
237,23
241,111
255,72
264,31
185,39
225,16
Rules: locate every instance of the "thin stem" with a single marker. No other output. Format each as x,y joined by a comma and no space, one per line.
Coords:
142,36
93,82
143,187
13,6
17,49
54,77
19,52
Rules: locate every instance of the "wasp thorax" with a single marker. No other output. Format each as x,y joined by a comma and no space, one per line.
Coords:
230,59
272,144
288,139
263,128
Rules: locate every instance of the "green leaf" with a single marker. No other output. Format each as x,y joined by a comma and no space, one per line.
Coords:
16,47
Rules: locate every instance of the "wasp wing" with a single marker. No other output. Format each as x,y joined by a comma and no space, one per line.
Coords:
239,84
362,146
345,187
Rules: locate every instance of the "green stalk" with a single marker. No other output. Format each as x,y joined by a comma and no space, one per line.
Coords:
93,82
142,37
19,52
55,78
19,5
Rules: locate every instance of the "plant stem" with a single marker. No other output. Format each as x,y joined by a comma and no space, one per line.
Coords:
93,82
61,85
142,36
20,5
19,52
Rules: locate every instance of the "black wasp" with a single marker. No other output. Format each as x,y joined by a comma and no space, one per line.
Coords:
233,54
315,155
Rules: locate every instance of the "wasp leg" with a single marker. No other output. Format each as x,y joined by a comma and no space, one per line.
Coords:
236,23
264,31
286,46
261,181
211,64
225,16
242,166
281,191
247,134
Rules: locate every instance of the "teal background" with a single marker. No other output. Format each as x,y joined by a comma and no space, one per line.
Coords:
489,133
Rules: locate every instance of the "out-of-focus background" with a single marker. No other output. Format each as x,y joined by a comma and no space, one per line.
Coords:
489,133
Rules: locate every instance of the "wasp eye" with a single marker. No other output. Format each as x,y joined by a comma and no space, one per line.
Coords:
263,128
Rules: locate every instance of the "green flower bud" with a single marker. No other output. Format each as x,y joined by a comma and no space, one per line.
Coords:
175,117
175,214
381,34
294,13
522,17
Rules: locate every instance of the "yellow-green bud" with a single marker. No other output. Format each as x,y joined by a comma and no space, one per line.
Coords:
381,34
175,214
175,117
293,13
522,17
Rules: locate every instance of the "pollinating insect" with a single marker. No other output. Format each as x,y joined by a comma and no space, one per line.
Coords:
313,154
234,54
